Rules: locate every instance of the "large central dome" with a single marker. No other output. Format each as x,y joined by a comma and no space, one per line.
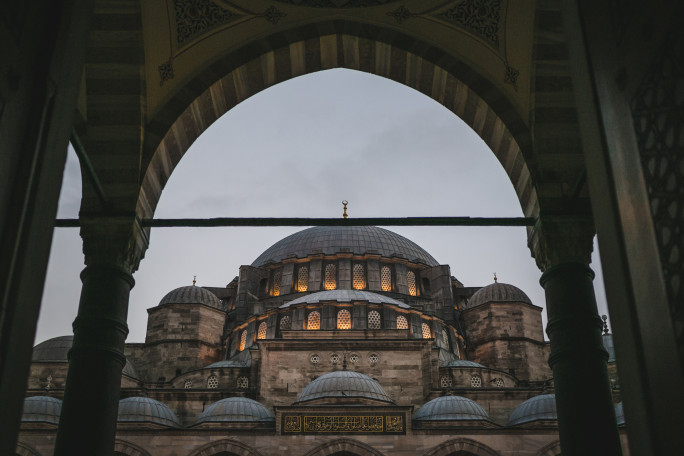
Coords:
358,240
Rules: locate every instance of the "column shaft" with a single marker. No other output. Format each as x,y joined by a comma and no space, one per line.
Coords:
586,417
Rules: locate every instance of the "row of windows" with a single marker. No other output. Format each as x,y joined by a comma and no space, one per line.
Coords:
213,383
354,358
359,282
475,382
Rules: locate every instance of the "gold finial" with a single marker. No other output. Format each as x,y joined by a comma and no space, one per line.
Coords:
495,278
194,280
344,203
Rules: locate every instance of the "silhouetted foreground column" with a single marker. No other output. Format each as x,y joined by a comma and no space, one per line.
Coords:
586,417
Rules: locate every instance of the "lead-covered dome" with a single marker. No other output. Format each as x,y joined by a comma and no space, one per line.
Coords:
451,408
234,409
537,408
358,240
41,409
343,385
55,349
192,295
498,292
144,409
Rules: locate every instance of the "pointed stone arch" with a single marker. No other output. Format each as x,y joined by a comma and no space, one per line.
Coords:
462,447
121,446
226,445
344,446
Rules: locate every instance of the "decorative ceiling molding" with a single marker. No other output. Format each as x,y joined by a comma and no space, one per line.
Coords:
197,17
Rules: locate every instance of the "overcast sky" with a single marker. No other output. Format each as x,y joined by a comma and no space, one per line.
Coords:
297,150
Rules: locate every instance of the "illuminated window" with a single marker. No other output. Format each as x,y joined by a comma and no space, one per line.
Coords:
386,278
411,281
302,279
243,340
212,382
330,280
275,285
242,382
188,384
334,358
476,381
426,331
445,381
402,322
373,319
498,382
314,321
344,319
445,338
285,323
261,333
359,277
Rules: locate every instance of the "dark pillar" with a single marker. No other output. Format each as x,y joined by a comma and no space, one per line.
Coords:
586,417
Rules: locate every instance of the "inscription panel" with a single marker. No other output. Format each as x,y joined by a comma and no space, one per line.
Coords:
343,424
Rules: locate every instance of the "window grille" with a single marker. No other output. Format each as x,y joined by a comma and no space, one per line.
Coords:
426,331
373,358
212,382
275,286
374,319
330,281
243,382
359,277
402,322
445,381
411,281
498,382
243,340
445,338
386,278
188,384
354,358
315,359
261,333
302,279
314,321
344,319
476,381
334,358
285,323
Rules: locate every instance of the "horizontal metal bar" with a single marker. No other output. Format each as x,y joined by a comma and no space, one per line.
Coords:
280,221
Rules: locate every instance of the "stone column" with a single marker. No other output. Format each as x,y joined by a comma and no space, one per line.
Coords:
586,418
113,248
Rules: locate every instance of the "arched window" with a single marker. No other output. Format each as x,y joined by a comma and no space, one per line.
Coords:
275,283
402,322
261,333
212,382
330,279
374,320
427,334
285,323
411,282
343,319
314,321
499,382
359,277
243,340
445,338
386,278
302,279
242,382
476,381
446,381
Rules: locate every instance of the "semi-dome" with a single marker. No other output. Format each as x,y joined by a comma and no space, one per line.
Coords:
358,240
345,296
55,349
343,385
498,292
463,363
144,409
451,408
537,408
235,409
192,295
43,409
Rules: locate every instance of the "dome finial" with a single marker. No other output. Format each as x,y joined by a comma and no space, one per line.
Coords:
194,280
605,324
495,278
344,203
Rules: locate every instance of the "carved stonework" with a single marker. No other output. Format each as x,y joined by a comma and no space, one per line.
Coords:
401,14
481,17
119,242
511,75
336,3
196,17
273,15
558,240
166,72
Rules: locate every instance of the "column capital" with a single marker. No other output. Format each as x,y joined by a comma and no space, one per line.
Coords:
116,241
556,240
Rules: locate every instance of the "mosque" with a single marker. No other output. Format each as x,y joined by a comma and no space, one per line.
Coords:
334,341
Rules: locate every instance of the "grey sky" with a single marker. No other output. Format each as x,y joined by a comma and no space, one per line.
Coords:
297,150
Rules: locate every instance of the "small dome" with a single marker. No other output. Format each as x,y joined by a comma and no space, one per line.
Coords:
192,295
235,409
619,414
343,384
55,349
537,408
144,409
498,292
451,408
463,363
345,296
42,409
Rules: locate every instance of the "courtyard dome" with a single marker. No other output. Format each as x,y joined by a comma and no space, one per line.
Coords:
192,295
451,408
537,408
55,349
144,409
43,409
498,292
343,385
463,363
357,240
235,409
345,296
